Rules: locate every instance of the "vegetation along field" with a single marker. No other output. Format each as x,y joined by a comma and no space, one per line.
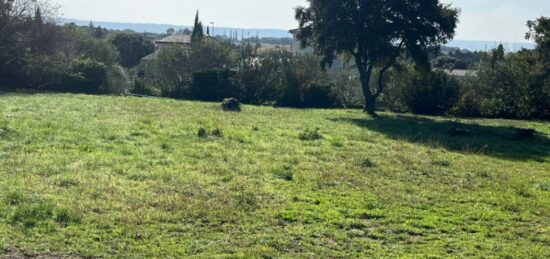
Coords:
91,176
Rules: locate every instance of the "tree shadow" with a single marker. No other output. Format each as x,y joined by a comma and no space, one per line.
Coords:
496,141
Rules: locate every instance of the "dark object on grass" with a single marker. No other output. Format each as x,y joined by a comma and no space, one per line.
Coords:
231,105
524,133
459,132
310,135
217,133
202,132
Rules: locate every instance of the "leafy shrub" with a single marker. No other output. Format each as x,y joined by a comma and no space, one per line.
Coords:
216,85
215,133
202,133
505,86
174,68
86,76
431,93
145,87
310,135
132,47
284,173
231,104
319,96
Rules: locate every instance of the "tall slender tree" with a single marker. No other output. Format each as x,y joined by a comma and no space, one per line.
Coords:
375,33
198,31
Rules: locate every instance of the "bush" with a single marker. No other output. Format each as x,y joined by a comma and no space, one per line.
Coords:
505,87
145,87
215,133
431,93
216,85
310,135
174,68
231,104
86,76
319,96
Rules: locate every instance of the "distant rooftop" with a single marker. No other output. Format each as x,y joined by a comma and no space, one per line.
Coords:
457,72
176,38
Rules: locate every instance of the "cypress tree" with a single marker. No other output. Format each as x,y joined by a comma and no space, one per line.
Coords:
198,32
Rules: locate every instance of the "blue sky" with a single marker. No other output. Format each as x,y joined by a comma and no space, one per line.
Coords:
491,20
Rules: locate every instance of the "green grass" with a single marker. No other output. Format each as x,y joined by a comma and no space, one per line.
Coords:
92,176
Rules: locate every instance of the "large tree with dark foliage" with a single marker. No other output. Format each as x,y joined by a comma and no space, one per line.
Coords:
375,33
132,47
539,31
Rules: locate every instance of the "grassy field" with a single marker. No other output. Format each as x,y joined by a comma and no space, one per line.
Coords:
90,176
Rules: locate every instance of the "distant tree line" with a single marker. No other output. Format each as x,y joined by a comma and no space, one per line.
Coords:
38,54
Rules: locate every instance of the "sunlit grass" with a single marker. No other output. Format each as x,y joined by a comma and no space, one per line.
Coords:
114,176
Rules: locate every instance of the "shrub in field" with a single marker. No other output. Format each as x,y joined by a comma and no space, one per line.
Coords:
231,104
310,135
202,133
284,173
215,133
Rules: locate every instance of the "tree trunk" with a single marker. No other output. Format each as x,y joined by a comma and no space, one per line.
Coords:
365,73
370,104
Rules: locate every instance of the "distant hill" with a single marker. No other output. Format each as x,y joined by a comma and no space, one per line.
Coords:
489,45
278,33
161,28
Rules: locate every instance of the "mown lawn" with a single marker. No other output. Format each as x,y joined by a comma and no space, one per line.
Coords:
91,176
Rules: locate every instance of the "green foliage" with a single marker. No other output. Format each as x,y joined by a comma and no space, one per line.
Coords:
231,104
83,44
505,88
431,93
86,76
198,32
172,71
214,133
132,47
145,87
216,85
284,173
310,135
29,215
375,33
319,96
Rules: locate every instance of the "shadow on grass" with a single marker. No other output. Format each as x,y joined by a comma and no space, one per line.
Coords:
495,141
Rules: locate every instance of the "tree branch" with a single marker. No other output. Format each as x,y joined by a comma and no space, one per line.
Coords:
384,69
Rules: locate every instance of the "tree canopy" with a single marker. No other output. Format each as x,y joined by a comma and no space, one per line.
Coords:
375,33
132,47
